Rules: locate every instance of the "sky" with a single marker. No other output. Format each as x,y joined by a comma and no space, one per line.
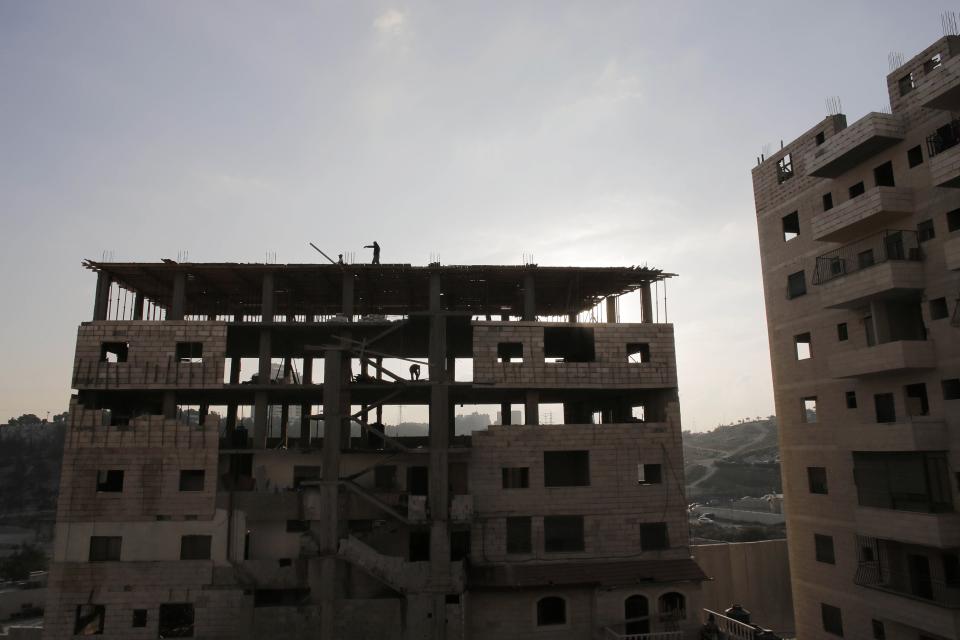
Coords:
583,133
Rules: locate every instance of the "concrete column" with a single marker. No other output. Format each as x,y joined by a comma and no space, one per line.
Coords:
439,443
169,405
306,376
646,302
329,527
261,408
264,371
266,304
531,408
137,305
179,296
571,317
529,297
347,297
612,309
506,415
101,299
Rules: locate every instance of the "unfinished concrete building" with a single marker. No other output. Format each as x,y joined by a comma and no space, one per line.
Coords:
859,231
228,473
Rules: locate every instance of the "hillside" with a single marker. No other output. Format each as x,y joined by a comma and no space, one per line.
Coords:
733,460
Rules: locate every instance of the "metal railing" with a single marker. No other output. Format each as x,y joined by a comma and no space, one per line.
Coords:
912,585
889,244
944,138
615,633
726,628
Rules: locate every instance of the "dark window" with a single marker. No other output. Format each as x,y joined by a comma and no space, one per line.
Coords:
817,479
419,546
509,352
925,231
110,481
301,472
865,259
459,545
189,352
827,201
649,474
879,633
297,526
856,190
566,468
418,480
905,85
192,479
672,607
551,610
883,175
885,406
791,226
195,547
139,618
516,477
915,156
801,344
904,480
114,351
89,620
951,568
784,168
824,548
563,533
653,535
951,388
832,619
568,344
866,554
105,548
851,399
519,537
638,352
796,284
176,620
938,309
819,139
842,332
809,409
953,220
917,404
385,477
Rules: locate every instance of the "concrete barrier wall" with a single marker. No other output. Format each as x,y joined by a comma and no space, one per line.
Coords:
739,515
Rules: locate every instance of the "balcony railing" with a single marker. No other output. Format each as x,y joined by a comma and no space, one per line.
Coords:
887,245
946,137
912,585
617,633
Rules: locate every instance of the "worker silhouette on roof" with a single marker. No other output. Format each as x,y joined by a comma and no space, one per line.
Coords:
376,251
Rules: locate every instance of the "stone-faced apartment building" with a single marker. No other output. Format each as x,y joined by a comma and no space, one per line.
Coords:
859,231
227,472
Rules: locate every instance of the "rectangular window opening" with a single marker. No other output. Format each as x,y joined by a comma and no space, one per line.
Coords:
175,620
195,547
824,548
459,545
832,619
953,220
851,397
566,468
784,168
568,344
419,546
856,190
511,352
110,481
951,388
938,309
917,481
817,480
926,231
192,479
933,63
915,156
802,345
879,632
827,201
810,409
917,403
649,474
105,548
189,352
820,138
139,618
883,175
519,534
638,352
905,85
796,284
114,352
385,477
842,334
653,536
563,533
516,477
885,407
791,226
88,620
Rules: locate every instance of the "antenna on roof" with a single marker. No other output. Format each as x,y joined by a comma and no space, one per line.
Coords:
895,60
948,21
833,105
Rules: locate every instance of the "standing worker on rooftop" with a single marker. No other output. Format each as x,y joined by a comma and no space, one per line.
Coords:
376,251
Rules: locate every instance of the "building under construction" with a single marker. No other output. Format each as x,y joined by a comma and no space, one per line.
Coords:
228,473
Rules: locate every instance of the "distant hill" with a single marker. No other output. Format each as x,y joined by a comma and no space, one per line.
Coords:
733,460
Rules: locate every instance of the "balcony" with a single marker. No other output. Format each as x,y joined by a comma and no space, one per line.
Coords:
917,434
918,572
899,355
951,253
940,530
884,265
877,208
943,148
940,88
863,139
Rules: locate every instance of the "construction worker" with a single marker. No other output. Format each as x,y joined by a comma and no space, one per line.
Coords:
376,251
414,371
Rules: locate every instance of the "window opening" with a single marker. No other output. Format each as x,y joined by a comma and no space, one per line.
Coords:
511,352
566,468
791,226
817,479
883,175
802,344
189,352
938,309
851,397
110,481
796,284
649,474
563,533
842,334
176,620
568,344
105,548
856,190
192,479
951,388
885,407
917,404
519,534
516,477
638,352
653,536
784,168
915,156
827,201
905,85
824,548
88,620
551,610
810,409
926,231
194,547
114,352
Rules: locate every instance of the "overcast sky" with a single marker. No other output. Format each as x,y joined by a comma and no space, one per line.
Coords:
584,133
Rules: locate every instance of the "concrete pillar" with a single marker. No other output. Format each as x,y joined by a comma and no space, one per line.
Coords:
137,305
306,376
265,369
329,527
531,408
169,405
266,303
571,317
439,444
612,309
506,415
178,297
102,298
347,297
529,297
261,408
646,302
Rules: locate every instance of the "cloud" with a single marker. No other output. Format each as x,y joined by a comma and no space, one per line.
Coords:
391,22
